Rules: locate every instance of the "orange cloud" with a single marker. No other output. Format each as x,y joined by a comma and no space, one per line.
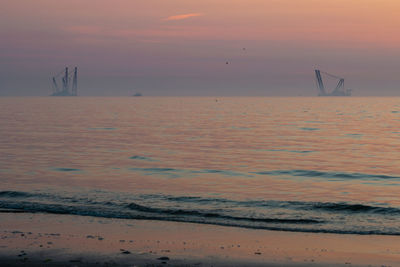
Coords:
184,16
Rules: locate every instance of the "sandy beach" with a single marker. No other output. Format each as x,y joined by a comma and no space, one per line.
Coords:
63,240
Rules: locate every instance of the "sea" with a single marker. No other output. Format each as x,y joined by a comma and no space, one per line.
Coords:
303,164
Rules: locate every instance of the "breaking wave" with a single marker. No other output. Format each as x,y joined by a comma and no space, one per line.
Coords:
299,216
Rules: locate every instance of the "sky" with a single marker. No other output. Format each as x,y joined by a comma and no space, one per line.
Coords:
182,47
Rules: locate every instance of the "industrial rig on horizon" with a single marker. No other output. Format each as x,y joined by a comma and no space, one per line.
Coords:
70,84
69,88
338,91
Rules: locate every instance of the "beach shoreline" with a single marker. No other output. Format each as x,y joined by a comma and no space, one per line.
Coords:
34,239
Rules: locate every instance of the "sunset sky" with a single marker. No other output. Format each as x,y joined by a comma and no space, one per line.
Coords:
180,47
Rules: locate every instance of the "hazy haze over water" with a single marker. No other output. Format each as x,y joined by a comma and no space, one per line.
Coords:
180,47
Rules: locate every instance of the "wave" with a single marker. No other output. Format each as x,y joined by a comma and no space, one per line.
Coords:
332,175
171,172
216,215
295,205
299,216
15,194
328,206
360,208
142,158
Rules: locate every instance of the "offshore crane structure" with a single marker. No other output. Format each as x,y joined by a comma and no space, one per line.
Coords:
69,84
338,91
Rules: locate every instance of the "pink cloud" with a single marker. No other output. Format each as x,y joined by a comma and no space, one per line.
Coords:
184,16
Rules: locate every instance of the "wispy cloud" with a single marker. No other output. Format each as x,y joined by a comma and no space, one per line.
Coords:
183,16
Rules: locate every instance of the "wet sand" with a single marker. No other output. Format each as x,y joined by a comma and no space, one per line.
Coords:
63,240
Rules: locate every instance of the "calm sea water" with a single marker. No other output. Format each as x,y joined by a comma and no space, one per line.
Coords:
296,164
